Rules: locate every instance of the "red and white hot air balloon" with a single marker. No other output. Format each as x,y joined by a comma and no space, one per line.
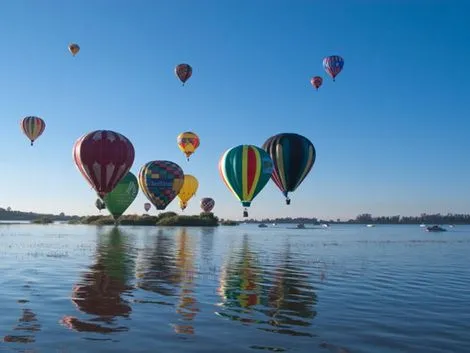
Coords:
316,82
103,157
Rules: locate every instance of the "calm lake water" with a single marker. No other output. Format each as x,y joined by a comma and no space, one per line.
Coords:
346,288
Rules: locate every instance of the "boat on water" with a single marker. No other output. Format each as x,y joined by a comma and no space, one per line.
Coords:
370,225
300,226
324,225
422,225
262,225
435,229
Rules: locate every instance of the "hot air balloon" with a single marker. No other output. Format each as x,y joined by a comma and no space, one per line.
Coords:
189,188
333,65
103,157
33,127
161,181
147,206
122,196
293,156
183,72
74,49
207,204
100,205
188,142
316,82
245,170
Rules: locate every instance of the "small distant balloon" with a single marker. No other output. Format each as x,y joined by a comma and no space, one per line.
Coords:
74,48
316,82
100,205
147,206
32,127
333,65
207,204
188,142
183,72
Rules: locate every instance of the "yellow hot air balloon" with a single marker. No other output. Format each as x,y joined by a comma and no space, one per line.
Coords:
188,142
190,185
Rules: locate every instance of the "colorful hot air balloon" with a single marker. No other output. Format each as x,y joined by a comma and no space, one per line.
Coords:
245,169
147,206
74,49
293,156
122,196
207,204
103,157
100,205
316,82
188,142
161,181
33,127
189,188
333,65
183,72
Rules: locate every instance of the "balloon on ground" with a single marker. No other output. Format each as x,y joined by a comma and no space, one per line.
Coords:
189,188
160,182
32,127
245,170
122,196
103,157
293,156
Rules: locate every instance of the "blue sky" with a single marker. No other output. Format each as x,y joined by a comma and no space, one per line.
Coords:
391,133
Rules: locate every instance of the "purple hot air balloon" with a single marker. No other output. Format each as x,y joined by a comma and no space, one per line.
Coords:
207,204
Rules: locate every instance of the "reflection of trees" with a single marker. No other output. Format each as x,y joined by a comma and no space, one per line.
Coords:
100,290
27,323
291,298
187,304
239,287
156,272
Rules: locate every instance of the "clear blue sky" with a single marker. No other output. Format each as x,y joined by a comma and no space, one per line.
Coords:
391,134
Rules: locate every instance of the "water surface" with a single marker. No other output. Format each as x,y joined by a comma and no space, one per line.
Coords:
347,288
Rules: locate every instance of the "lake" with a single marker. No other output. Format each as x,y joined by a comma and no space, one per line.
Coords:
346,288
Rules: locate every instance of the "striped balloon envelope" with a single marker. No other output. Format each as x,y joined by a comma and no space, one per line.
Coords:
245,170
32,127
293,156
333,65
161,181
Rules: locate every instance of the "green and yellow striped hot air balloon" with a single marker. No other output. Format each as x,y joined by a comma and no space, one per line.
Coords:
33,127
245,169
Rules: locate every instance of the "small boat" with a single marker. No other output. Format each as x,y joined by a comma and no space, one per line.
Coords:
435,229
324,225
422,225
262,225
370,225
300,226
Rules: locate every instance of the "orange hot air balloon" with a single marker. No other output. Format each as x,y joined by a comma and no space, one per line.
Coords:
33,127
74,49
188,142
183,72
316,82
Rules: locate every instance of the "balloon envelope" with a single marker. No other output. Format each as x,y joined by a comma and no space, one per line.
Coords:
245,169
103,157
333,65
189,188
207,204
293,156
122,196
32,127
183,72
316,81
188,142
74,48
161,181
147,206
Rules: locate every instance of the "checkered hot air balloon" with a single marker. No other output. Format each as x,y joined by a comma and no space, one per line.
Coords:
188,142
207,204
161,181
